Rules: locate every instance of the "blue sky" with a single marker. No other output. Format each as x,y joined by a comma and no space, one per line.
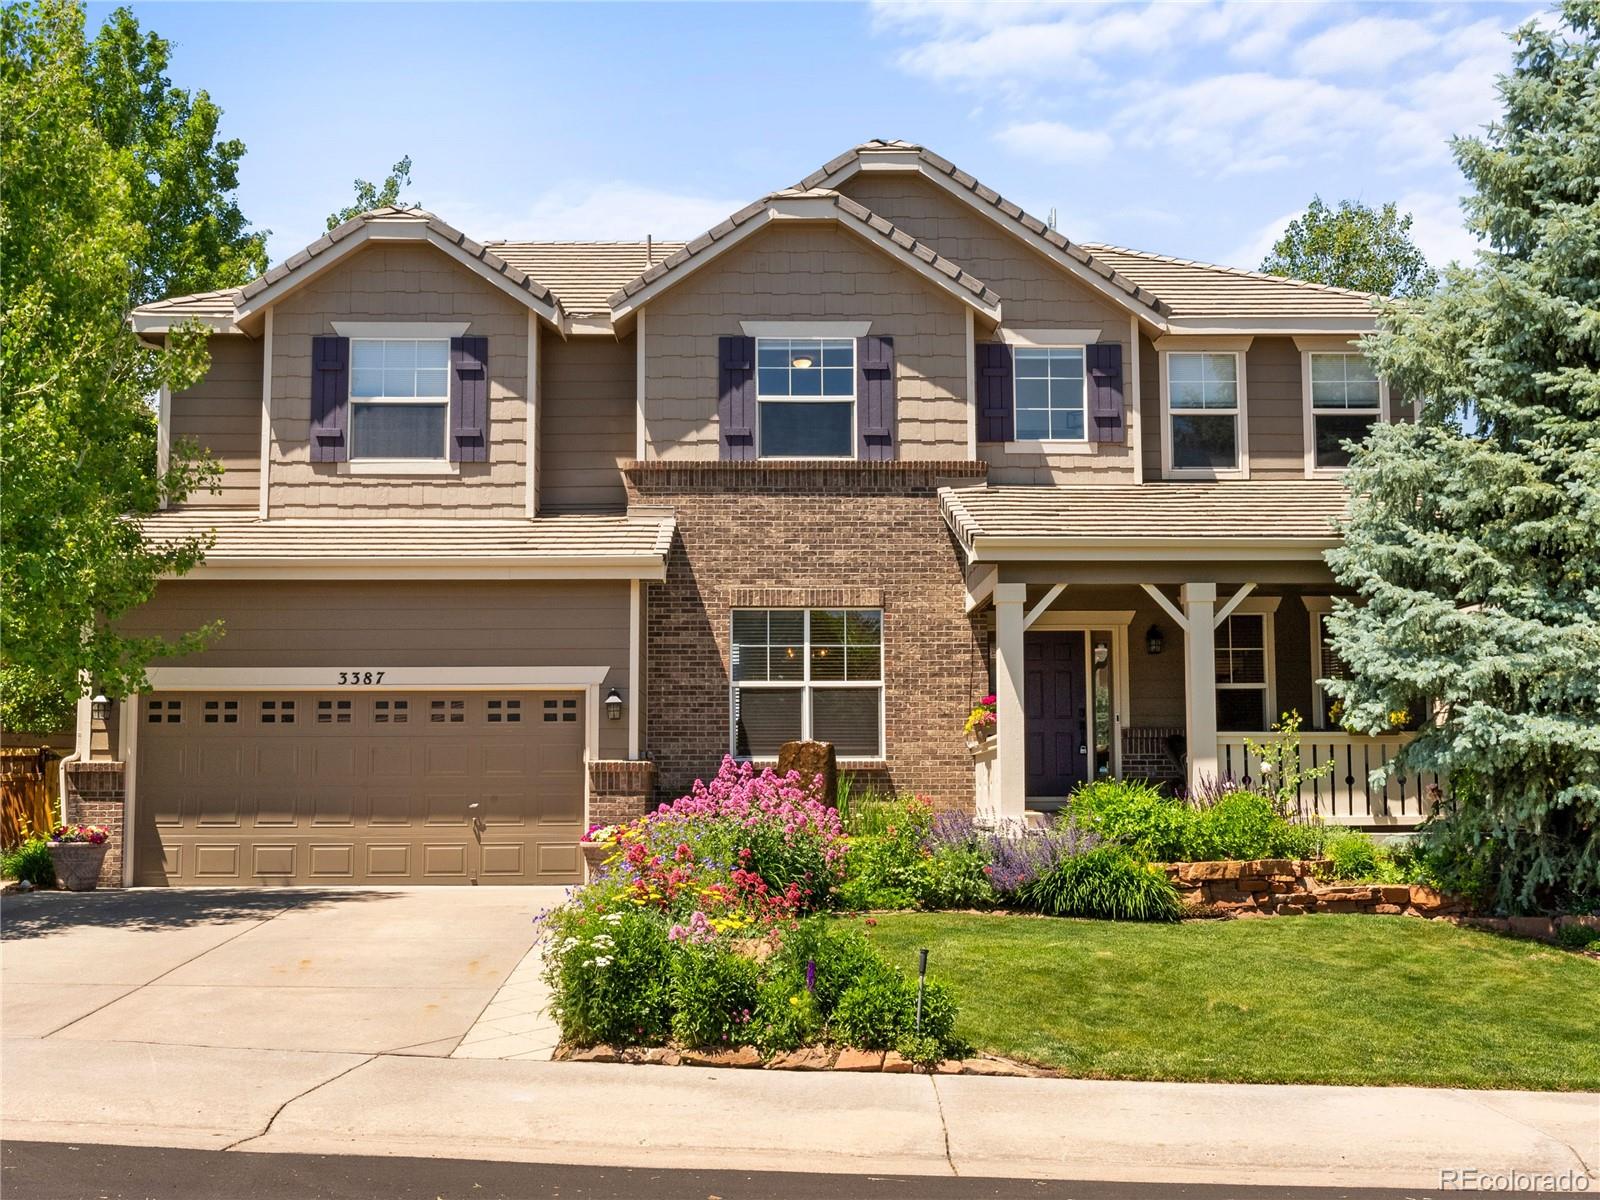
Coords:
1191,129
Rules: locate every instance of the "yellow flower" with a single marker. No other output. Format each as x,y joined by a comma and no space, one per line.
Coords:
794,1000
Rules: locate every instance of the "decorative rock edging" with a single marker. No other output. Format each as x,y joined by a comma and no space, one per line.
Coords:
1288,887
807,1058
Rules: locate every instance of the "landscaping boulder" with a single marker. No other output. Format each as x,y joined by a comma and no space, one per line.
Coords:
859,1060
738,1056
815,761
806,1058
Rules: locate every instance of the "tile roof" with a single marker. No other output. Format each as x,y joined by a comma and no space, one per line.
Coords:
242,539
1235,510
391,213
201,304
1197,289
1012,211
845,209
584,274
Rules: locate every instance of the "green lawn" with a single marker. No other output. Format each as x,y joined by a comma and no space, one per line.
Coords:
1318,999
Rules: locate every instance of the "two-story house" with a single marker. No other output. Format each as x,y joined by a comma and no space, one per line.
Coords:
517,537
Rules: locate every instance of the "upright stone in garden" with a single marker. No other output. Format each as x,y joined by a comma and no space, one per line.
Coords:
814,761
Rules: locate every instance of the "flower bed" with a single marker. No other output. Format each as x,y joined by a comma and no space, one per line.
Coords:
701,930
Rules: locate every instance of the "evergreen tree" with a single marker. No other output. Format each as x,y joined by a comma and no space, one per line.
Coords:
1474,534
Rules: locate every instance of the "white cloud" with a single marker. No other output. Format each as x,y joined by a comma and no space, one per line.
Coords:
1053,141
1438,225
1364,46
606,210
1249,253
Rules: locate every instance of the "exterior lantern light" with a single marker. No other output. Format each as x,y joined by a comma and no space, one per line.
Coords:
100,707
1153,641
613,705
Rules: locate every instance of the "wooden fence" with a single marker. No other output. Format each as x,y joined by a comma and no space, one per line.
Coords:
29,799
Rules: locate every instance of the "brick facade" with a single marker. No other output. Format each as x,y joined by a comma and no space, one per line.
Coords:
620,790
812,535
1147,754
97,793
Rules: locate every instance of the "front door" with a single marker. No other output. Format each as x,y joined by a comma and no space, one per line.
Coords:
1057,721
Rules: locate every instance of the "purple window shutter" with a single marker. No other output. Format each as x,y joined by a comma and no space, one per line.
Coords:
330,399
1105,392
996,418
469,399
875,399
736,398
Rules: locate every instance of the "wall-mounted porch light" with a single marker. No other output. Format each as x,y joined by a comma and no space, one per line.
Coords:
100,707
1154,643
613,705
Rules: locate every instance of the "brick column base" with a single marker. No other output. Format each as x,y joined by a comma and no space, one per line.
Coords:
97,793
620,790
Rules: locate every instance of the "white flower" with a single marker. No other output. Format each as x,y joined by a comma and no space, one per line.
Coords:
612,918
602,961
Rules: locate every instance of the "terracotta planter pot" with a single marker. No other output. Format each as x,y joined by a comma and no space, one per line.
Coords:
594,854
77,864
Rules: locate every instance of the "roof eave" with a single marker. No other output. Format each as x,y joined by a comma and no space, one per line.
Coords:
644,566
988,548
1273,325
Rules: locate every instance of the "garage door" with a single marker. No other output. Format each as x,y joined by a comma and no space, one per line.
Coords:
364,787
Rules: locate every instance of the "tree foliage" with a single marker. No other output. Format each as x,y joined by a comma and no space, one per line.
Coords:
370,195
1353,246
89,220
1474,538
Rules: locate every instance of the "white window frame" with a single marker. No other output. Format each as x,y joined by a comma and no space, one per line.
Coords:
1240,413
855,368
1047,444
1309,412
805,683
1266,608
1318,608
433,465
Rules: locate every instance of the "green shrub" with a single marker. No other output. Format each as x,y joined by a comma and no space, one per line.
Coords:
888,867
1105,882
29,862
957,878
1577,937
1138,816
610,975
879,1009
1353,855
787,1016
1240,825
714,994
1301,841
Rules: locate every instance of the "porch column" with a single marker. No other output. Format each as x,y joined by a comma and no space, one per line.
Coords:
1200,679
1011,759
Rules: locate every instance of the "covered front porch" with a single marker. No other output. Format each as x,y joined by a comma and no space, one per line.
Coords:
1162,658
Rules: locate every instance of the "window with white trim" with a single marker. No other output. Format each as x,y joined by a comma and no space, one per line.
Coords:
1345,401
1325,664
1051,393
1243,650
399,398
1203,410
807,674
805,397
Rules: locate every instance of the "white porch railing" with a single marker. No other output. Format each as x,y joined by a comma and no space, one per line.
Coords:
1344,796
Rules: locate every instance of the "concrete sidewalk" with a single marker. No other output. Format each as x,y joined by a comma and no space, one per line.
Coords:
409,1022
329,1103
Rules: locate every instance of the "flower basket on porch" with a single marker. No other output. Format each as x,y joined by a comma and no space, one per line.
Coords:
77,852
599,844
980,726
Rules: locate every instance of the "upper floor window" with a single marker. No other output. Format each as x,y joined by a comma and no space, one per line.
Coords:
806,397
399,397
807,673
1344,400
1203,408
1050,394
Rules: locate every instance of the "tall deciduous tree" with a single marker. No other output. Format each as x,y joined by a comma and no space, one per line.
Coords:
371,195
1475,540
1353,246
88,222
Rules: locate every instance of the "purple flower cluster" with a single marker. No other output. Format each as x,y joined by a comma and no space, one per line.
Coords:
1016,856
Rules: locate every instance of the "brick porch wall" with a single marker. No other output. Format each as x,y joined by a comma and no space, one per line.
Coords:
96,794
1145,754
812,535
620,790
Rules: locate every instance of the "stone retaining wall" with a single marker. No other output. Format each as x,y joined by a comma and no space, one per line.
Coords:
1289,887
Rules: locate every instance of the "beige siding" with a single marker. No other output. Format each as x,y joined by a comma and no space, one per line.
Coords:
1035,294
1276,411
805,273
399,283
1151,431
458,624
223,414
587,403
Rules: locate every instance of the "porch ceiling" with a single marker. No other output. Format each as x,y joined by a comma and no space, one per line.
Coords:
1152,521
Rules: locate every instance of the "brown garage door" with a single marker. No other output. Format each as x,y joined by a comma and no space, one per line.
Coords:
359,787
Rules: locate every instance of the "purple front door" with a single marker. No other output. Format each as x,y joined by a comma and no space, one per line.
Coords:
1053,698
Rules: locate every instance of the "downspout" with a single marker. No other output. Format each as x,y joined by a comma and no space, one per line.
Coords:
82,733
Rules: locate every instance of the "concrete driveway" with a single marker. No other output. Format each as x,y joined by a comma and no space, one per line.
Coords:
357,970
